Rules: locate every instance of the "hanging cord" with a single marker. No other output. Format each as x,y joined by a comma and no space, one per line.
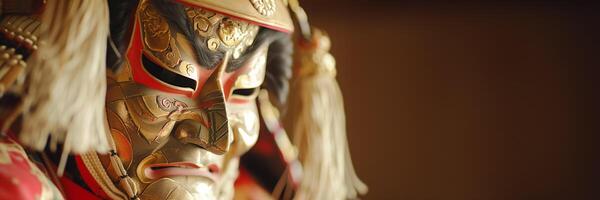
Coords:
301,19
315,118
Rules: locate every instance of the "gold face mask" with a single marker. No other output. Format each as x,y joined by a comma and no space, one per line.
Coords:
178,124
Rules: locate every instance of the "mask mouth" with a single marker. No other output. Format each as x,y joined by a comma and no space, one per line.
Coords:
161,170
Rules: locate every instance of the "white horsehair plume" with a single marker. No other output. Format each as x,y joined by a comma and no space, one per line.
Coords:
66,79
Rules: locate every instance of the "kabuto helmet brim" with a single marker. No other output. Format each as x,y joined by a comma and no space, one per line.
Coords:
272,14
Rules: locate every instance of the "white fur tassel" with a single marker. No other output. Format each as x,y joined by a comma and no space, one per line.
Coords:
66,78
316,120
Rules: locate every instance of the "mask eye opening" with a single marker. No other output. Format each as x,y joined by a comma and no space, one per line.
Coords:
245,92
167,76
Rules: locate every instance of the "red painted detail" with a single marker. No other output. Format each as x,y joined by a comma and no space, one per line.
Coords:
140,75
206,104
134,55
229,81
203,74
88,179
239,100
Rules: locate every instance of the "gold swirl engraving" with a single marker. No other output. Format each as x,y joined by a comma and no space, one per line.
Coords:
157,36
231,32
264,7
213,44
202,20
219,32
222,33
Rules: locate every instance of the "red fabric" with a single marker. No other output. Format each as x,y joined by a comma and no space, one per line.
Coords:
76,192
246,187
16,178
244,177
88,179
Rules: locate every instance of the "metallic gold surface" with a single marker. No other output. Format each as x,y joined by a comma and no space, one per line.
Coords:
152,130
158,134
124,147
254,75
173,51
269,13
232,34
157,33
158,43
177,188
203,21
265,7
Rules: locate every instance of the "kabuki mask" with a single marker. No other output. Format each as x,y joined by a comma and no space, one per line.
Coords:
159,99
183,107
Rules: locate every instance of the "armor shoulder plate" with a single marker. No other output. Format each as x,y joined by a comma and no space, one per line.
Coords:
18,40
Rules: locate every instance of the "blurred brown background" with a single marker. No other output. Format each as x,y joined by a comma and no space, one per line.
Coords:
468,100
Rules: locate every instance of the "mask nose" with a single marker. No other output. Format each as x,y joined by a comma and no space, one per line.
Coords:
214,134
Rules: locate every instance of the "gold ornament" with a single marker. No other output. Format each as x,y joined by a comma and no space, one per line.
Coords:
223,33
268,13
264,7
